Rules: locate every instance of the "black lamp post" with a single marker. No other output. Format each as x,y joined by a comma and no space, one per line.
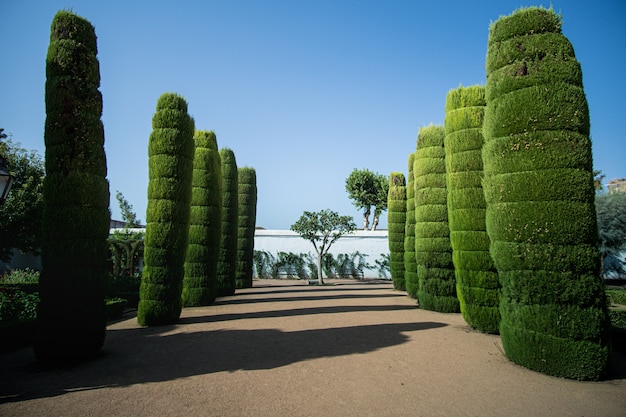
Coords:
6,180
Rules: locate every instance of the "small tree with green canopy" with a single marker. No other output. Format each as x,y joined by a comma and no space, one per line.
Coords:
170,169
540,193
128,215
76,218
380,202
433,253
366,189
247,221
396,223
477,285
322,229
21,213
205,223
227,261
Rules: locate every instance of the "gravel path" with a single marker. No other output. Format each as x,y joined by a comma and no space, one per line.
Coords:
284,348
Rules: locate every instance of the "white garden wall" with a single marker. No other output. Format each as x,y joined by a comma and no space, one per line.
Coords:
368,243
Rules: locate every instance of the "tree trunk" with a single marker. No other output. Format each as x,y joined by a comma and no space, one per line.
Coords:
375,221
366,219
320,278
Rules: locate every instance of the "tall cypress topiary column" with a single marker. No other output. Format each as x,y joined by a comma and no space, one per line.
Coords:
205,223
170,169
76,219
227,260
435,271
247,190
410,268
478,288
396,223
540,199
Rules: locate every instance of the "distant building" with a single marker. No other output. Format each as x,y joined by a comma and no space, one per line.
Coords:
617,184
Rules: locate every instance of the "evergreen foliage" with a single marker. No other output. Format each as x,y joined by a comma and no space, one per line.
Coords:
170,169
435,270
396,223
22,211
247,222
540,199
76,217
410,267
227,260
205,223
477,285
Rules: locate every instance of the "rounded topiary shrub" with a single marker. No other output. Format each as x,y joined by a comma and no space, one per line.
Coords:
246,225
478,288
435,271
410,267
396,224
227,260
170,170
76,218
540,199
205,223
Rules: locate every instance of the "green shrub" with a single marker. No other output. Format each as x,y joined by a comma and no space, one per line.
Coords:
17,305
396,224
477,283
115,308
170,169
245,230
205,223
20,276
76,217
410,265
435,271
227,261
617,296
538,172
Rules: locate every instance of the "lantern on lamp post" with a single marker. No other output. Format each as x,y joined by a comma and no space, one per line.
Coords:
6,180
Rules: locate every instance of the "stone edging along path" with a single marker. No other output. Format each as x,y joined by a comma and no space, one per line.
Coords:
284,348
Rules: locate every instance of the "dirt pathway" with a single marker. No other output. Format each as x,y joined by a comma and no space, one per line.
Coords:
284,348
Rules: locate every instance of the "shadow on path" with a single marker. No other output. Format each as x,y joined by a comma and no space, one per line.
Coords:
315,297
291,312
142,355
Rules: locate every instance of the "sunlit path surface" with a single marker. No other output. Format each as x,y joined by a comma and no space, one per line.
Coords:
284,348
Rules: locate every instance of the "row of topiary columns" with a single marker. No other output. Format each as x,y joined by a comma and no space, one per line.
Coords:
189,196
518,190
194,250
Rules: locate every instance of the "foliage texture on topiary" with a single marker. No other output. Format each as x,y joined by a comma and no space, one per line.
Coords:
410,267
170,169
435,270
396,224
477,285
227,260
540,199
76,217
205,223
245,230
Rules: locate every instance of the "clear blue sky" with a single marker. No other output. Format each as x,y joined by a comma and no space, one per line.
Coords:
302,91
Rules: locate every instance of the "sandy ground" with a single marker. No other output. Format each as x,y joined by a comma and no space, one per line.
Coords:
284,348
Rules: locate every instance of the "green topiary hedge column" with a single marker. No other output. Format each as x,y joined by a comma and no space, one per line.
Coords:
435,271
170,170
477,285
396,223
227,261
540,199
410,267
245,230
76,218
205,223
